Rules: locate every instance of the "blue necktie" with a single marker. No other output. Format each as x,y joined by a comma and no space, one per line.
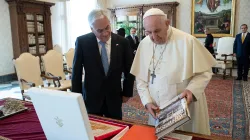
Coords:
104,57
134,39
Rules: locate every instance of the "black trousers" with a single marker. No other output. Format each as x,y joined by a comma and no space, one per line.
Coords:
117,114
242,66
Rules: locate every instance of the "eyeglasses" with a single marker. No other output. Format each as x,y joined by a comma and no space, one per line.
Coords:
100,31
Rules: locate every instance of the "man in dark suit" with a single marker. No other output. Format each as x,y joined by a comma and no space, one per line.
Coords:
209,43
241,51
121,32
133,40
104,56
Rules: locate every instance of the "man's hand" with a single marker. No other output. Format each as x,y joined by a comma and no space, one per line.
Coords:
188,95
125,99
234,54
152,109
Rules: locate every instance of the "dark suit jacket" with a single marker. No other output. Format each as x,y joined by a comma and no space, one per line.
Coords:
209,43
98,87
132,44
242,49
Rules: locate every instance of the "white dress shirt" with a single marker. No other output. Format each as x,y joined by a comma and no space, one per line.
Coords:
133,37
107,46
244,34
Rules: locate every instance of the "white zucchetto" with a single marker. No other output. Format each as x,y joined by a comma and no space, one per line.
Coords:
154,12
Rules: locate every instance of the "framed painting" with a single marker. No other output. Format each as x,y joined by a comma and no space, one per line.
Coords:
217,15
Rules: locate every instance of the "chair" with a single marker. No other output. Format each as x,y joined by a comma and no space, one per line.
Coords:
69,56
224,55
29,73
57,48
53,65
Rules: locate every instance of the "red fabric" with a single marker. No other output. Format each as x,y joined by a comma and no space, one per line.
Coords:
23,126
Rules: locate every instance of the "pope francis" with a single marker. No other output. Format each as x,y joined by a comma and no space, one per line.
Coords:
168,63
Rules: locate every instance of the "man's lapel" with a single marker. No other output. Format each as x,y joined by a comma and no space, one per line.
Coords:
247,36
244,38
96,52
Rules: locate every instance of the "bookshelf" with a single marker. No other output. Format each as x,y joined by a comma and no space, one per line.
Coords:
30,26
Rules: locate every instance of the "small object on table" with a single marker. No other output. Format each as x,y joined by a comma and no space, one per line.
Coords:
1,113
11,107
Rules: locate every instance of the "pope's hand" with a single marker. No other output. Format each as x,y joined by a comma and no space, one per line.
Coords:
188,95
152,109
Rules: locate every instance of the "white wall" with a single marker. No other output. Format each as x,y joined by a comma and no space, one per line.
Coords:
6,50
184,12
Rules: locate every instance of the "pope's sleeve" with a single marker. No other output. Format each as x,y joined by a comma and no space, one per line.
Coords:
203,62
198,83
143,91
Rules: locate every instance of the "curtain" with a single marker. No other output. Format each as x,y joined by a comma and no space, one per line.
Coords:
70,20
59,26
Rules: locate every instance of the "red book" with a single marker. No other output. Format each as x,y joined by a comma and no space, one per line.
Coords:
138,132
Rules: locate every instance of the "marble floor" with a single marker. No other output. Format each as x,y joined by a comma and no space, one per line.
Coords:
10,89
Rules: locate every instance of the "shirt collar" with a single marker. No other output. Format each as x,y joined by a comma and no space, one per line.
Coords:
107,43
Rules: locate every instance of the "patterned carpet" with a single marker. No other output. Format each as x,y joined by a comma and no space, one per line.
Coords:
219,101
246,92
225,106
134,111
240,121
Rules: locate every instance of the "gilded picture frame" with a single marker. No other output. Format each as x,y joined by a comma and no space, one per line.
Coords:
217,15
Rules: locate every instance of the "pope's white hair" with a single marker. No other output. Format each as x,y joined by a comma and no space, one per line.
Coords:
96,14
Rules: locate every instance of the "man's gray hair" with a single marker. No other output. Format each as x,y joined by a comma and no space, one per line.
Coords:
96,14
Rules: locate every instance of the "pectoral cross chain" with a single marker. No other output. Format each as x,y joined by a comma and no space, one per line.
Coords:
153,77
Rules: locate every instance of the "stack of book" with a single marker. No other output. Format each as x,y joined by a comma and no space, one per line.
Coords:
39,27
31,26
29,17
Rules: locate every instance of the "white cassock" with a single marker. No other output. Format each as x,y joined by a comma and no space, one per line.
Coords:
185,64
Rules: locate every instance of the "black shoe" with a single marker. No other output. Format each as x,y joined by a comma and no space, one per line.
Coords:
238,78
244,79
